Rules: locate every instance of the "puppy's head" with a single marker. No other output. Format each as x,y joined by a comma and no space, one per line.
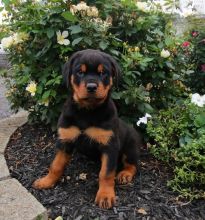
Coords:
90,74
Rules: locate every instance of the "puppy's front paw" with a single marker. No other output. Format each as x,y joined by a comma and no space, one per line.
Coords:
43,183
124,177
105,198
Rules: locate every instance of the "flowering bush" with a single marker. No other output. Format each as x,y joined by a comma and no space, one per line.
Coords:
179,136
194,49
42,35
138,35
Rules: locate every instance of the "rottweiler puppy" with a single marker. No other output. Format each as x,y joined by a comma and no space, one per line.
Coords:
89,123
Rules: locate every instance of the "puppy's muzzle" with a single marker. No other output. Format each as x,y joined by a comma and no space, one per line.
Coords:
92,87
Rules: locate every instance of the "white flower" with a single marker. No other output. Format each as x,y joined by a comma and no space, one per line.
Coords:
82,6
14,39
144,119
187,13
198,100
59,218
31,87
100,24
84,9
73,9
92,12
7,42
20,37
142,6
61,38
17,39
165,53
4,13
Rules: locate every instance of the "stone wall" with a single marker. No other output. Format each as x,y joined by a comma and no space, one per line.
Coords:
3,60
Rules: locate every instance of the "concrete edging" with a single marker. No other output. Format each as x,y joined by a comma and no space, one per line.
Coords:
16,203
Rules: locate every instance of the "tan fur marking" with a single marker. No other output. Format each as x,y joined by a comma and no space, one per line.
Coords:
102,91
79,91
103,170
105,197
69,134
130,168
100,135
126,175
100,68
83,68
55,171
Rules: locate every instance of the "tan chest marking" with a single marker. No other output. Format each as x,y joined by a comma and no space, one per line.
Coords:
99,135
69,134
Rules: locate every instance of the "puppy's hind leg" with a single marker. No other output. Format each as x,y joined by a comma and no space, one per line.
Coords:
130,158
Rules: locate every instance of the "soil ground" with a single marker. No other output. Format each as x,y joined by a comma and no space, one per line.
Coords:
30,152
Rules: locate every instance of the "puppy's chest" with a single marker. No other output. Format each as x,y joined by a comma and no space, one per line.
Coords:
91,135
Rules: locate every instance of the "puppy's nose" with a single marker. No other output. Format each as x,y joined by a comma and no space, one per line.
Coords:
91,87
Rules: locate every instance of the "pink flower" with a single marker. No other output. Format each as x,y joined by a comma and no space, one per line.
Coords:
203,67
195,33
186,44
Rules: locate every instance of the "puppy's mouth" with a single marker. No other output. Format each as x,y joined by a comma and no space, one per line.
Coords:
93,99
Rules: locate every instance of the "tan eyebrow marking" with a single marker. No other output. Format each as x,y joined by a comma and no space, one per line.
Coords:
100,68
83,68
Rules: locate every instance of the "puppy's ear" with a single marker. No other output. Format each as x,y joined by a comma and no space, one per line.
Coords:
68,69
115,69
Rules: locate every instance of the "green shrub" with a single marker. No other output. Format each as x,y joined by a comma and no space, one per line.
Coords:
196,58
141,39
179,137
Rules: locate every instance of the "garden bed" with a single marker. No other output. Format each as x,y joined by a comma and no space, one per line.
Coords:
30,152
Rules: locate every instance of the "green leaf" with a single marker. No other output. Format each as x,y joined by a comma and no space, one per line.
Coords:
39,89
127,100
116,95
76,41
46,94
53,93
114,52
50,82
148,59
75,29
88,41
69,16
148,108
103,45
6,2
50,33
200,120
170,65
168,41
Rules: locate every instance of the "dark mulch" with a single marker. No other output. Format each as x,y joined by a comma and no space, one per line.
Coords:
30,152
